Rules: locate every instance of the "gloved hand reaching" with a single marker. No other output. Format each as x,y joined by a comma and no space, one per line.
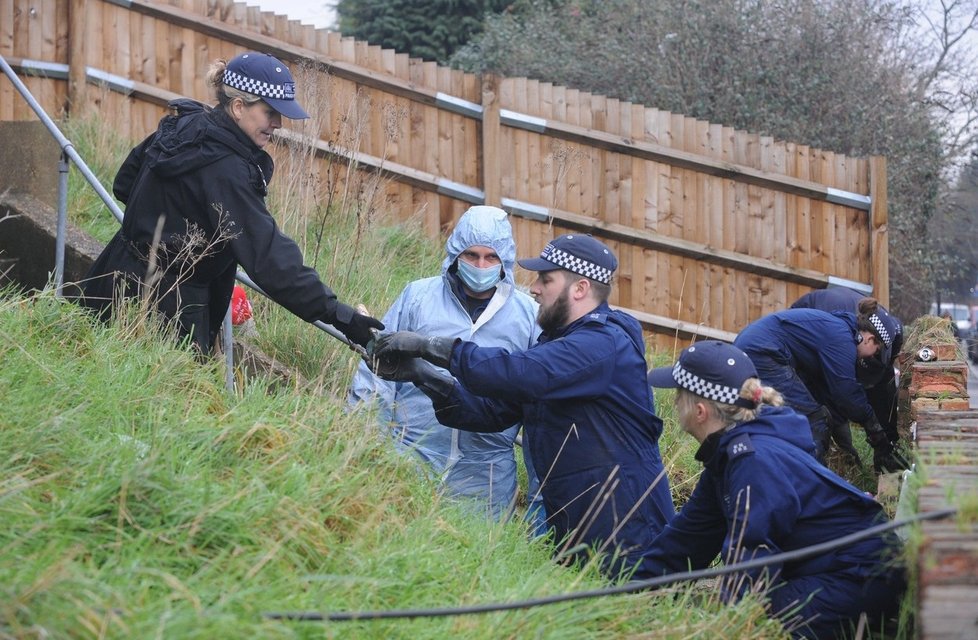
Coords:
885,458
889,461
426,377
357,327
434,349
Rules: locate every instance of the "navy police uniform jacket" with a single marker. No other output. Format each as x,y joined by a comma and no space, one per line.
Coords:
761,494
820,347
832,299
582,396
205,181
877,377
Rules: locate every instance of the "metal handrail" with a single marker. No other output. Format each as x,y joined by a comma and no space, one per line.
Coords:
68,152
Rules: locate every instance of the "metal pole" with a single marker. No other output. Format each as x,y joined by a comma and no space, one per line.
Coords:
59,242
228,343
328,328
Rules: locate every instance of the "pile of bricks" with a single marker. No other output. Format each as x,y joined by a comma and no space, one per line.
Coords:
946,434
938,384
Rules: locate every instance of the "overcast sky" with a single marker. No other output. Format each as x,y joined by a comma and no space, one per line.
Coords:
318,13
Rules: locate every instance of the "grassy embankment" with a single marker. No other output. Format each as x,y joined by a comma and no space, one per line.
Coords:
139,499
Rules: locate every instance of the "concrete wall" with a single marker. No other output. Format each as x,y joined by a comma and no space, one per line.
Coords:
28,229
29,158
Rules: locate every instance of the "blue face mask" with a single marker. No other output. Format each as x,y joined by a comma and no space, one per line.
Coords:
478,280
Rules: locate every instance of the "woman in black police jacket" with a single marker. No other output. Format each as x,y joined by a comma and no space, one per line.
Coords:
195,209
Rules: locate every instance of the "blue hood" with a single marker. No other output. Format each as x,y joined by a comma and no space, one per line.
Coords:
486,226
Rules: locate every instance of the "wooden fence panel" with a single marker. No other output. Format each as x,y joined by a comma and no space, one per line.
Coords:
603,162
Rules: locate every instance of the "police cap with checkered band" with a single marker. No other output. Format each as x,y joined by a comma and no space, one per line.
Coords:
579,253
711,369
267,77
887,328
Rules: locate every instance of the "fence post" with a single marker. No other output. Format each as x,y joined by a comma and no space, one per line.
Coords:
879,274
77,27
490,140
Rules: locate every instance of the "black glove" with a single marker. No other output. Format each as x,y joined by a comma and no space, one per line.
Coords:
889,461
885,458
431,381
357,327
434,349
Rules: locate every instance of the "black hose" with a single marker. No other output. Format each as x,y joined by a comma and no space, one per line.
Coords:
629,587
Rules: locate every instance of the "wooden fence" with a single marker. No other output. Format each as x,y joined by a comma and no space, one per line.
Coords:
713,227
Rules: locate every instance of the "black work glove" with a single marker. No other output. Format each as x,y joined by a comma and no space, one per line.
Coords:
434,349
357,327
885,458
431,381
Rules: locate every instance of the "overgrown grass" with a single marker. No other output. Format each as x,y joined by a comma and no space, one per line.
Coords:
103,150
141,500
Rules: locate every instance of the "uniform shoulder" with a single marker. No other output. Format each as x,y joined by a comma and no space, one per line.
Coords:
739,445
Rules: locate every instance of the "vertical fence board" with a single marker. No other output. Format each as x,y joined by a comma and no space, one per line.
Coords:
545,175
650,214
779,215
534,150
878,220
9,97
26,35
713,201
77,57
635,206
466,131
610,185
599,121
573,157
682,184
664,295
429,75
585,116
443,147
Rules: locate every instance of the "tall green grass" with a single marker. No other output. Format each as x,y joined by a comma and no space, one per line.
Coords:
139,499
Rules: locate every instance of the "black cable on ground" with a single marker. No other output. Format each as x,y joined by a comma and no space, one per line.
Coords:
629,587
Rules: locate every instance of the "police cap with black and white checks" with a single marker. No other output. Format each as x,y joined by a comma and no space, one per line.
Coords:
887,328
711,369
578,253
265,76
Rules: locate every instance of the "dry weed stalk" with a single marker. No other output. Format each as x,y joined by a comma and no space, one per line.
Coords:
314,187
565,160
297,191
182,252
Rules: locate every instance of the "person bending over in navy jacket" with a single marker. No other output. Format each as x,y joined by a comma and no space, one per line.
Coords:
877,375
807,353
761,494
194,192
581,394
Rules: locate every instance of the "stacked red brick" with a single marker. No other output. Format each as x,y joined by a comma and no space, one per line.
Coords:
947,450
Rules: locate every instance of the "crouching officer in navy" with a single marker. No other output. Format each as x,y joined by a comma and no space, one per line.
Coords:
811,356
581,395
761,494
876,374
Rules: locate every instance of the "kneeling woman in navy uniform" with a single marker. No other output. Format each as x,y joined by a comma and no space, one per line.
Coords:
761,493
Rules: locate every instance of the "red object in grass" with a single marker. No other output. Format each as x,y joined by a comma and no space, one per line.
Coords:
240,306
